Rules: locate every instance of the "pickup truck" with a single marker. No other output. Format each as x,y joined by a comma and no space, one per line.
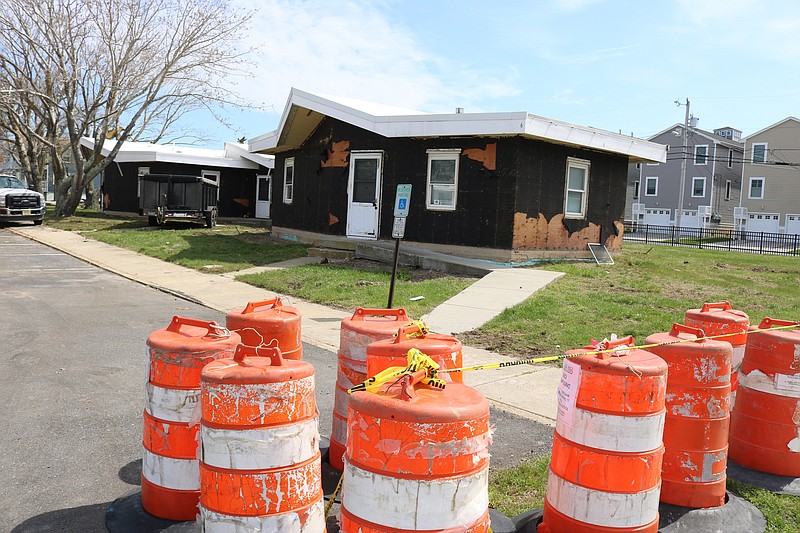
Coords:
17,203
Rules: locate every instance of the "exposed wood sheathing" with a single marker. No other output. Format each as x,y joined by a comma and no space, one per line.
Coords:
337,155
538,234
487,156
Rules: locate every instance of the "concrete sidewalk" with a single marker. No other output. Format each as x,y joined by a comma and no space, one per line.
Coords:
524,390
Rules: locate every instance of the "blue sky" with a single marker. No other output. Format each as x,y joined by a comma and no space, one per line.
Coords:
615,65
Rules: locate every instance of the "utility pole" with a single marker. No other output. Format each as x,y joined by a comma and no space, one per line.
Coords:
684,157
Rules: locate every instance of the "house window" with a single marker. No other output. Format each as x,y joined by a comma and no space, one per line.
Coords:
730,158
212,175
698,187
576,188
700,154
759,153
288,180
442,185
638,166
756,188
141,171
728,189
651,187
636,190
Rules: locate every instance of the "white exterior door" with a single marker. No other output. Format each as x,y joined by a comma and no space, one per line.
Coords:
766,222
364,194
657,217
263,196
793,224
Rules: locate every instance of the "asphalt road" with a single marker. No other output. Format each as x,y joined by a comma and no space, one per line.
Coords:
73,363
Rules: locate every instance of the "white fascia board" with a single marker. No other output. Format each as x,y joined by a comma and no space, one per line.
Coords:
138,152
465,124
240,150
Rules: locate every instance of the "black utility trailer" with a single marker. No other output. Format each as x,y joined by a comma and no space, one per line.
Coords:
165,197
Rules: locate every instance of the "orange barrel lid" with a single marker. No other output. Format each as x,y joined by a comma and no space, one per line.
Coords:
718,313
192,335
370,321
256,388
773,350
630,381
267,313
702,361
430,343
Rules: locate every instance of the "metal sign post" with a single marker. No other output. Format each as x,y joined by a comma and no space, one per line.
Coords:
402,200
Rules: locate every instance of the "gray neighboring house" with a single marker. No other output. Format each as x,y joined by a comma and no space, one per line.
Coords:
770,200
712,184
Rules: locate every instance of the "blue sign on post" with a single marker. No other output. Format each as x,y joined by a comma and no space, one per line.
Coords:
402,200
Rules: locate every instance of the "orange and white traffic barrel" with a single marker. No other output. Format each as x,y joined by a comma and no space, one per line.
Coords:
177,354
417,460
765,425
260,467
720,318
269,323
605,470
445,350
358,331
698,416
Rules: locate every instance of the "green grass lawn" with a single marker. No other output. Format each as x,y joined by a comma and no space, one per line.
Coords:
647,290
344,287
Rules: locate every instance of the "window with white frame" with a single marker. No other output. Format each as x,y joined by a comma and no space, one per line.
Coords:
212,175
141,171
698,187
442,185
636,190
288,180
577,186
730,158
756,189
728,186
701,154
651,186
759,153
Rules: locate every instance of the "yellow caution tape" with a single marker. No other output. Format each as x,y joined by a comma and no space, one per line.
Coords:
416,361
418,329
617,349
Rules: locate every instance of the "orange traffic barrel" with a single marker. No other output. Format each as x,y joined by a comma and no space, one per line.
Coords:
443,349
605,470
260,467
358,331
417,460
720,318
698,416
765,425
170,475
268,323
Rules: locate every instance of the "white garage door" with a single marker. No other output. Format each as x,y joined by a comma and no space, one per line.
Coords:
767,222
657,217
793,224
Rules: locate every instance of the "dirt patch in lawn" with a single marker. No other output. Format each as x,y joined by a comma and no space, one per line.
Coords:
407,273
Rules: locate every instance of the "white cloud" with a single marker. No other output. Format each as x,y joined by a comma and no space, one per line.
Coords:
352,49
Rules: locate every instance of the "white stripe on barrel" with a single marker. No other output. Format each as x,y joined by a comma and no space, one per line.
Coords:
613,432
172,405
415,504
176,474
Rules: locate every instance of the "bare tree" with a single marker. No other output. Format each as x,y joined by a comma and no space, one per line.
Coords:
112,70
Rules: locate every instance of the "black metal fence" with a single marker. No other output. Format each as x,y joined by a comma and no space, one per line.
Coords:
757,242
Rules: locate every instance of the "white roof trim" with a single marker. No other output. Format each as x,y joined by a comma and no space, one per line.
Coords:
240,150
463,124
139,152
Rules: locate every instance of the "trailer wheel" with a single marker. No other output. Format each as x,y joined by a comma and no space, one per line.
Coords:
211,218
